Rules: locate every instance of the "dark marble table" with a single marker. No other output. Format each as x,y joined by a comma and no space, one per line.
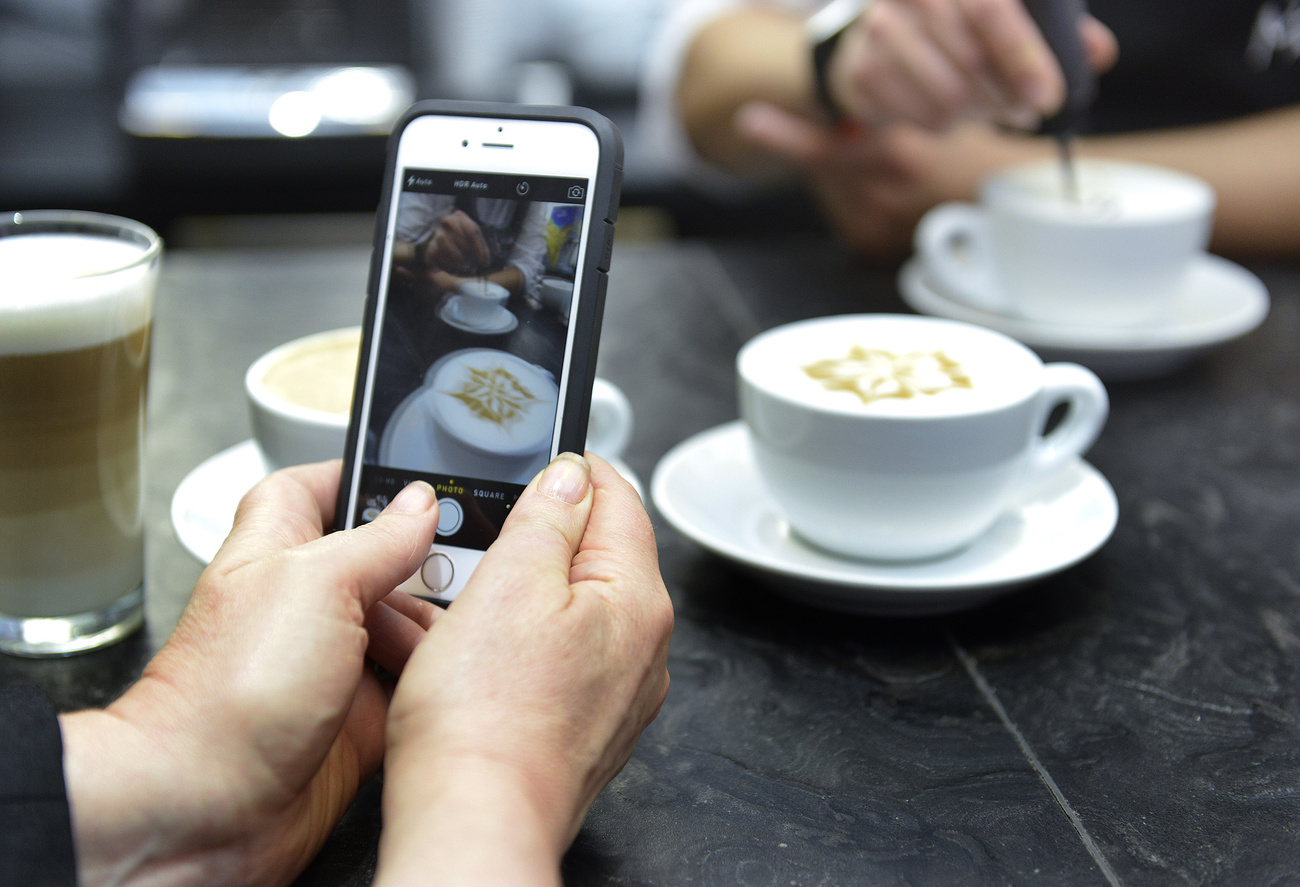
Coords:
1132,720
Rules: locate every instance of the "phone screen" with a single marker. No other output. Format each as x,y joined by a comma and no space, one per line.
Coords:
467,372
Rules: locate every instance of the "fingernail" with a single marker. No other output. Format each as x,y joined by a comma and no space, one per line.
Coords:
567,478
417,498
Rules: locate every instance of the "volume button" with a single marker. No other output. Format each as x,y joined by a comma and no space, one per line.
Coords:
607,250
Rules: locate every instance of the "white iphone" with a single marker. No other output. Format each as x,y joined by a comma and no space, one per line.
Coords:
482,318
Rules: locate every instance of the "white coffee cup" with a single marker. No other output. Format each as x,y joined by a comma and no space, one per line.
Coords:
610,422
300,396
480,299
1116,256
556,293
894,438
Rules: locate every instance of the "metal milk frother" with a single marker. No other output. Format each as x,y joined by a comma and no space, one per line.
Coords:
1059,22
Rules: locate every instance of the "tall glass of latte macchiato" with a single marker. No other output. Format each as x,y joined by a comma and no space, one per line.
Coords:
76,307
894,438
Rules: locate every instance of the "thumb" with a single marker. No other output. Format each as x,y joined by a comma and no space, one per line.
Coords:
375,558
542,534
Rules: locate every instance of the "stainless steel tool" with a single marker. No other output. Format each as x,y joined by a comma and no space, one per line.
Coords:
1059,22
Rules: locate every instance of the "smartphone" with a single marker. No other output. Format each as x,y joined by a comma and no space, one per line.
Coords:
483,312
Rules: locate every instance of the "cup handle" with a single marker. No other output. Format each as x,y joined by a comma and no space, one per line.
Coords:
1087,408
609,427
953,242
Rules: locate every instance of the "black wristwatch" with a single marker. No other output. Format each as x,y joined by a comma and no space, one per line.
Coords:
824,29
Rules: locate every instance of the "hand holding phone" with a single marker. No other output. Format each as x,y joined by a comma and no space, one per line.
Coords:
467,378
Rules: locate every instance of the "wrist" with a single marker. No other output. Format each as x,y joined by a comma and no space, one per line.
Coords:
474,821
111,823
136,813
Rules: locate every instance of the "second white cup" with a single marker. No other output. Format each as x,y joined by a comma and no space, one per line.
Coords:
1113,255
895,438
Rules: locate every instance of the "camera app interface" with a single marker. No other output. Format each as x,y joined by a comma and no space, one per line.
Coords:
473,335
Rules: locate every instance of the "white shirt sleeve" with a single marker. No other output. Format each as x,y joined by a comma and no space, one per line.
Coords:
530,246
418,214
659,124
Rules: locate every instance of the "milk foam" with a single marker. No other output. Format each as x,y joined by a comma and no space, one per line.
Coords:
64,291
491,376
318,375
1114,192
942,371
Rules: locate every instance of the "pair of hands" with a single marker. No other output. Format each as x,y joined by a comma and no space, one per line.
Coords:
457,251
249,733
924,83
934,62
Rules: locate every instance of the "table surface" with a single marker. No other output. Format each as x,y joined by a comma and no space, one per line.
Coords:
1131,720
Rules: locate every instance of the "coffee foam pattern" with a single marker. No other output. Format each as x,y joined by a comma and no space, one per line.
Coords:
531,432
1000,371
57,292
1110,192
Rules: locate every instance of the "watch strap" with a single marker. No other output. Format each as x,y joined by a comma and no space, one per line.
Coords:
824,29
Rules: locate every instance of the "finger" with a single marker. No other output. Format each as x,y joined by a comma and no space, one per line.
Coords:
419,611
469,239
618,532
371,560
1019,56
287,508
535,549
944,24
393,636
787,136
904,70
1099,44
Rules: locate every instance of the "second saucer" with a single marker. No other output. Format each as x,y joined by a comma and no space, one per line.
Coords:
499,320
1220,301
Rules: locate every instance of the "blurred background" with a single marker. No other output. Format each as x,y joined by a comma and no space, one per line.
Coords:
186,113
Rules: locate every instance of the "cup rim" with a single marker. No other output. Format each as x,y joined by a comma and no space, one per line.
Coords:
996,184
853,412
491,289
25,223
271,402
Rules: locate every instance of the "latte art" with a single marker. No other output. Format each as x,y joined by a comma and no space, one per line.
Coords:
494,394
495,402
874,374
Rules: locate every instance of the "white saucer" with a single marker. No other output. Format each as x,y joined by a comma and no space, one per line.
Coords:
203,506
500,321
1220,302
708,488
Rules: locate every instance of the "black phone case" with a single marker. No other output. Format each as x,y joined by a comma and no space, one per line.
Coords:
585,321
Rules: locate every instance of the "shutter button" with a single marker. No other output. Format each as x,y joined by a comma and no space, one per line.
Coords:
450,516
